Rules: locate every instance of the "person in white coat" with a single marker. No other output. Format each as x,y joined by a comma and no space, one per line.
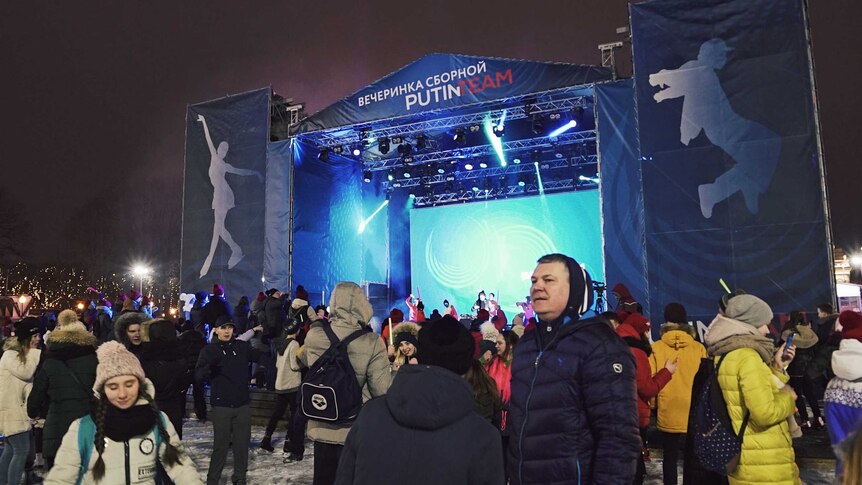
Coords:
126,436
17,367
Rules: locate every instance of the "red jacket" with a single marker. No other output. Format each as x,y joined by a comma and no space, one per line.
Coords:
648,385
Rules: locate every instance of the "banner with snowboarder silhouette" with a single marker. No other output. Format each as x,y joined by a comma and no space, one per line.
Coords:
223,195
731,175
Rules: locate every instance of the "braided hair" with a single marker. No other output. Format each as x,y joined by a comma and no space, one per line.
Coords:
172,453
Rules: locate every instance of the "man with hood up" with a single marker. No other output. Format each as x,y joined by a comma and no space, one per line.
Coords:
127,330
350,312
573,410
395,436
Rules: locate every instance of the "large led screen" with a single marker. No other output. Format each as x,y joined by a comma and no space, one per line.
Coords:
458,250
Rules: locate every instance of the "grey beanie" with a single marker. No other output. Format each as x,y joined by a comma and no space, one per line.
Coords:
749,309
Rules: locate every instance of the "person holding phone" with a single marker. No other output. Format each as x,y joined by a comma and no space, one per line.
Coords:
749,378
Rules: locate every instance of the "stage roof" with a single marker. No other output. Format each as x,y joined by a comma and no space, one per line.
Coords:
439,82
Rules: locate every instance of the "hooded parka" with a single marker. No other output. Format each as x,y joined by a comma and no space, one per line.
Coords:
674,401
350,312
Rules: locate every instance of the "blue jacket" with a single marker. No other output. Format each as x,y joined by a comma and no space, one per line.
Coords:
573,412
225,365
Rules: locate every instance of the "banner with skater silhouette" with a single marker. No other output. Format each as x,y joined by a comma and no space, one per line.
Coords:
731,177
223,195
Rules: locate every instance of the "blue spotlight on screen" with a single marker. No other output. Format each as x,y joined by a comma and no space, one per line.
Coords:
452,257
559,131
494,139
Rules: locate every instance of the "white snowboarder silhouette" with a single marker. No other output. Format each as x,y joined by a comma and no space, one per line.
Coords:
223,199
753,147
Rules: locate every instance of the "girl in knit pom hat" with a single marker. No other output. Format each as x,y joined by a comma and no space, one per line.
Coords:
125,435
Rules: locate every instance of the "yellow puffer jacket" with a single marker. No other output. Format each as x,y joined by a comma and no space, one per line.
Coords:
767,450
674,400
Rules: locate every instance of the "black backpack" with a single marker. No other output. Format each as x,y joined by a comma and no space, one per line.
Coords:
330,391
716,445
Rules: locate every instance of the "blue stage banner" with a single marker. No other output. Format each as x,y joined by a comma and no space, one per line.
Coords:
620,191
338,233
277,232
439,81
731,176
223,195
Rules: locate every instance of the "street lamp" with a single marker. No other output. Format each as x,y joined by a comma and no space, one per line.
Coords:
140,271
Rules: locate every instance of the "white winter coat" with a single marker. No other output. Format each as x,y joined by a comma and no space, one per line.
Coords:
16,380
287,377
142,459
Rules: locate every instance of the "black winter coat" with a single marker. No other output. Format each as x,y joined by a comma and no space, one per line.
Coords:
573,410
55,389
166,365
103,327
217,311
423,431
225,365
275,315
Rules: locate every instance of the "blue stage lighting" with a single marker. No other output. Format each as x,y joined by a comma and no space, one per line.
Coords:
383,145
468,166
366,176
364,224
357,151
516,161
390,175
559,131
406,174
483,165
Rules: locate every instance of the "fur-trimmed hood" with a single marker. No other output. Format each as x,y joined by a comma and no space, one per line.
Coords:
683,327
805,337
124,321
73,334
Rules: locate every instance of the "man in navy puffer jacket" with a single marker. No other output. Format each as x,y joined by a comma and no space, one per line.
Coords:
573,411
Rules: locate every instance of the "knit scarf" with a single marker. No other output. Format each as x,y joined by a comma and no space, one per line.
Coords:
124,424
725,335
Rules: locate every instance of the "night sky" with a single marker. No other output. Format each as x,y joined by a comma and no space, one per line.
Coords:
95,93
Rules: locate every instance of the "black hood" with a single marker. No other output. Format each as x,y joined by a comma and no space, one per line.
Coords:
428,397
580,290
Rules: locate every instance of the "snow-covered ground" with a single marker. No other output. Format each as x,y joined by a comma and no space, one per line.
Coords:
268,468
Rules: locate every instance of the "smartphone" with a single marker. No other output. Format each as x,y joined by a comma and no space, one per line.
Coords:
787,346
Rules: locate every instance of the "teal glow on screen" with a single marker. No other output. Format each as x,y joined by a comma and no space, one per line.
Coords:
457,250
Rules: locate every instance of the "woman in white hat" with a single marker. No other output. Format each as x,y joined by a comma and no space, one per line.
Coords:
125,436
17,366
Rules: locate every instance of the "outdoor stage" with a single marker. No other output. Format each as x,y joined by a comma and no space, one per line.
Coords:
455,173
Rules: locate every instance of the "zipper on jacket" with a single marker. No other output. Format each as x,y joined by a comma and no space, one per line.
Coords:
542,348
128,465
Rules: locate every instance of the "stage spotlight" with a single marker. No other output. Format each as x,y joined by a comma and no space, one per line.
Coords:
337,149
516,161
468,166
460,136
323,156
584,178
554,116
421,142
397,140
566,127
366,176
383,145
391,175
357,150
405,149
475,128
411,195
364,223
441,170
475,188
483,165
450,178
538,124
521,183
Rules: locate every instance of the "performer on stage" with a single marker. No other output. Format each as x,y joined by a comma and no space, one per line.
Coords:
527,306
417,309
450,310
481,302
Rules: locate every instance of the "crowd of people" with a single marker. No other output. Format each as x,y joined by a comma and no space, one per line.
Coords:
558,395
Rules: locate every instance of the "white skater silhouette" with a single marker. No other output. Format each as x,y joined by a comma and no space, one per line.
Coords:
753,147
223,199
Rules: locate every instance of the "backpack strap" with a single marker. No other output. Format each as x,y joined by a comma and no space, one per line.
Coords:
333,339
86,434
747,414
